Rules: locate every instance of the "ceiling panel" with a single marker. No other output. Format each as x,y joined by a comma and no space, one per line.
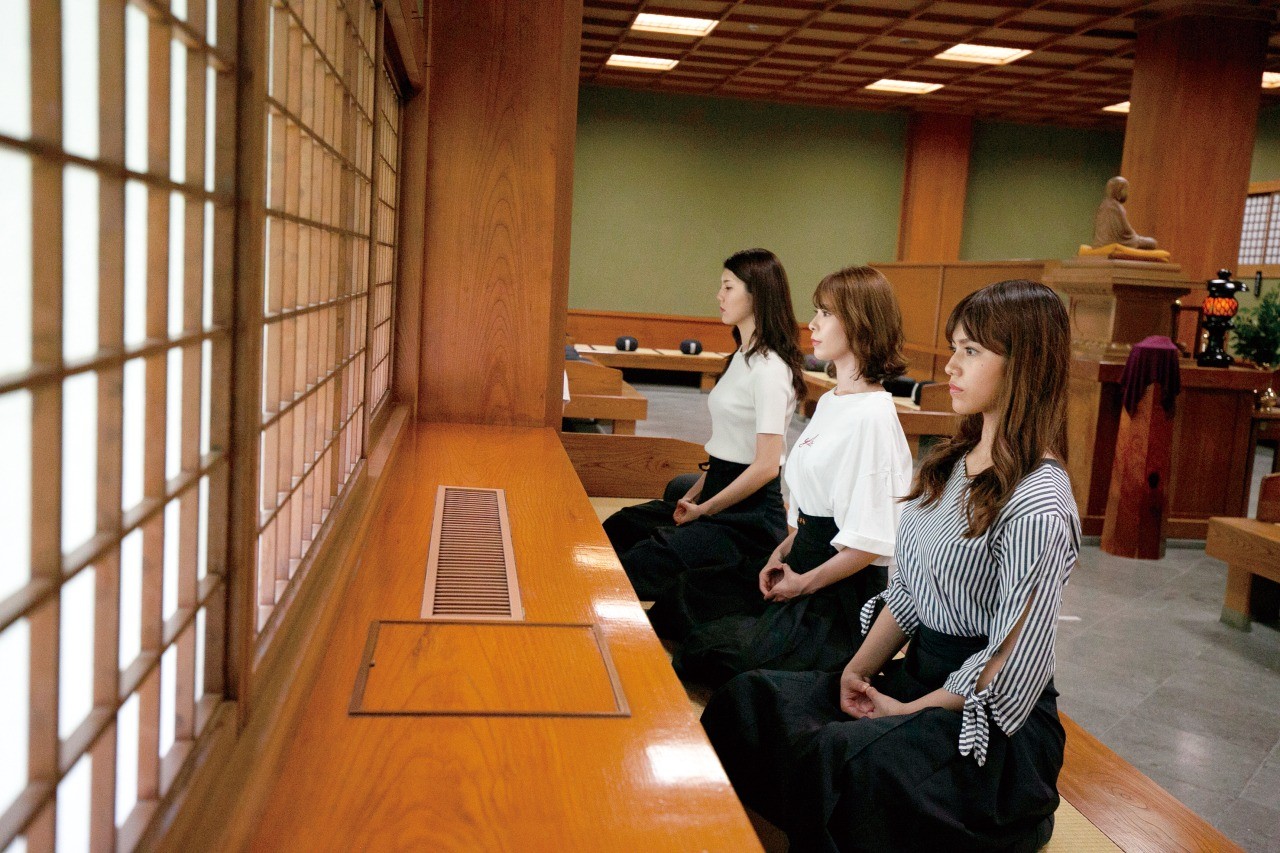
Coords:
825,52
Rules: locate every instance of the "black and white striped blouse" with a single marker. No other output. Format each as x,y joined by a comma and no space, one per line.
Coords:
981,586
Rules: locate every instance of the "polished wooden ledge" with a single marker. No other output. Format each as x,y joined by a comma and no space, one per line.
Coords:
649,781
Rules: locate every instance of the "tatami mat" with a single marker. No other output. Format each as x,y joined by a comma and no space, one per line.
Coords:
1072,831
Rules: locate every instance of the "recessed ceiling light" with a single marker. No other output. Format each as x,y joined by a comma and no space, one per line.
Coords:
904,87
982,54
1270,80
674,25
643,63
1122,107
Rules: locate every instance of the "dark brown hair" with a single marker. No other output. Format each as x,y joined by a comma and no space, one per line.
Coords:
862,299
1026,323
776,330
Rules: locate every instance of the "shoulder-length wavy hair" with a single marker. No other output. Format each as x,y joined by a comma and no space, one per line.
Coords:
776,330
1026,323
863,300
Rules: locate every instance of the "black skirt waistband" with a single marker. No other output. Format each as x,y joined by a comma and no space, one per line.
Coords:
934,655
720,473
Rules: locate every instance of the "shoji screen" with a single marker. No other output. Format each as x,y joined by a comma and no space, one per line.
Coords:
319,192
386,206
115,229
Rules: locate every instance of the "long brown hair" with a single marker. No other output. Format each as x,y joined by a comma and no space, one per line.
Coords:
862,299
1026,323
776,331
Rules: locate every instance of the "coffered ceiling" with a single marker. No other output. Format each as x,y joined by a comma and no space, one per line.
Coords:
814,52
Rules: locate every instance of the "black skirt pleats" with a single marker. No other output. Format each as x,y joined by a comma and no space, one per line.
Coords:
725,629
888,784
655,552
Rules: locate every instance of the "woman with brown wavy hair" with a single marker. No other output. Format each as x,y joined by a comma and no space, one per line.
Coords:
958,744
733,513
799,609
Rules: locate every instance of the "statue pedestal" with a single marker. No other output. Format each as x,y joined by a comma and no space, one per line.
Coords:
1115,304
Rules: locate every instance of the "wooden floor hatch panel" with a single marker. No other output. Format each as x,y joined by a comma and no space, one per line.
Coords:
486,668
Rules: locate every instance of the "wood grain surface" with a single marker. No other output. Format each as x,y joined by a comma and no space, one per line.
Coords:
485,669
1211,466
495,281
1188,195
934,184
648,782
629,466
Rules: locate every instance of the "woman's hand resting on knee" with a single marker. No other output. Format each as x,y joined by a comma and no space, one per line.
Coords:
859,699
778,582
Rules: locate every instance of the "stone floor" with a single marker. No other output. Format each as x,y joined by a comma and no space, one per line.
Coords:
1143,664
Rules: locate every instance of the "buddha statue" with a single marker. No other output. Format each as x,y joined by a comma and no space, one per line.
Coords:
1111,225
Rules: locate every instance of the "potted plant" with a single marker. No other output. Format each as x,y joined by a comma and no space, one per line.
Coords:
1257,337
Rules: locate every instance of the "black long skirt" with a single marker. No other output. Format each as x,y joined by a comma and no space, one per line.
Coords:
726,630
894,783
655,552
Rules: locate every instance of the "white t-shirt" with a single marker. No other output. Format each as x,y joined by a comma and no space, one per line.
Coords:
852,463
750,398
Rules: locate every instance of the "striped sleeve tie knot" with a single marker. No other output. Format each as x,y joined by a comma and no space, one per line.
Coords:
974,728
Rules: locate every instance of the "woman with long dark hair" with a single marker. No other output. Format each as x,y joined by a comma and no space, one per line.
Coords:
734,512
958,744
846,473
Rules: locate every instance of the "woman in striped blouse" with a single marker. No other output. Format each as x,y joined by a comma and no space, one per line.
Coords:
958,743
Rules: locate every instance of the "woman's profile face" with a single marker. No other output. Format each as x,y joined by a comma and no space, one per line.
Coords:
976,373
829,339
736,304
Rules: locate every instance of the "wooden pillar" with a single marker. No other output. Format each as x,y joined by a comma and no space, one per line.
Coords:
502,113
1197,77
1138,500
933,187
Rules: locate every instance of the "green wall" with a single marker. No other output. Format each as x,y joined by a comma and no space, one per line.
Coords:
1266,147
667,186
1034,189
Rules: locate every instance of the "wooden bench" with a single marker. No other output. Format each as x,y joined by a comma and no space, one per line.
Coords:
645,781
1104,795
629,466
598,393
1251,549
709,364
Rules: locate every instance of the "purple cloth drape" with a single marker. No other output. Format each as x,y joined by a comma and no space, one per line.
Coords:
1153,359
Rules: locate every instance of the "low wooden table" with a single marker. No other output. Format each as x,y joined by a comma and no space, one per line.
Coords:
709,364
1251,549
598,393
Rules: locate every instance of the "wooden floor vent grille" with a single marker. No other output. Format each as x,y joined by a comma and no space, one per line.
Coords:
471,573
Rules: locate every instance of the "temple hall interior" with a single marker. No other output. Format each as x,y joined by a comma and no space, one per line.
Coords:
314,395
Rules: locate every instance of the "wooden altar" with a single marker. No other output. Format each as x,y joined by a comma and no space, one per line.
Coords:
1211,431
1114,304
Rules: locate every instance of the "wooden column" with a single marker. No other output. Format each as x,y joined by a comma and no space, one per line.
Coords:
502,114
1196,87
933,187
1138,499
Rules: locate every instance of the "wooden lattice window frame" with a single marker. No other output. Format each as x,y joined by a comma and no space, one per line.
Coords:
122,428
1260,231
